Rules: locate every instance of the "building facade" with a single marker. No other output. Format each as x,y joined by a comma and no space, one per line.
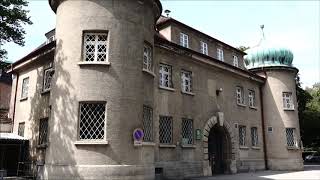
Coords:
113,67
5,93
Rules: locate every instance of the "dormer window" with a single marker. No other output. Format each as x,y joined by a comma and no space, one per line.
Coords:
220,54
203,48
184,40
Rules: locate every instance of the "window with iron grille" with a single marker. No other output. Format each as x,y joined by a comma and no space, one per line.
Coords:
251,98
48,74
220,54
147,57
92,121
184,40
187,131
186,81
25,88
203,48
95,47
21,129
254,136
235,61
165,130
240,96
287,100
242,135
43,131
147,124
165,76
290,134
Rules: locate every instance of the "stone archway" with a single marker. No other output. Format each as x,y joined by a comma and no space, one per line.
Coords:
231,161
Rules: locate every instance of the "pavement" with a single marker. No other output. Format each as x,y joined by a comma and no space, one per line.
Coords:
311,171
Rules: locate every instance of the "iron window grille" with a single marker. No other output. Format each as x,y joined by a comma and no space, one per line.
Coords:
242,135
287,100
240,95
184,40
252,98
165,76
165,130
92,121
203,48
147,57
25,88
186,81
220,54
48,74
235,61
290,134
187,131
95,47
21,129
254,136
43,131
147,124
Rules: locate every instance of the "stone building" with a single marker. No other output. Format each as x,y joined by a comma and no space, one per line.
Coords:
5,92
113,67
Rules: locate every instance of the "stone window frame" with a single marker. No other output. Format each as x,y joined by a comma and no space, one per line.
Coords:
203,47
186,76
43,132
25,88
187,131
235,61
21,128
147,57
148,123
162,80
291,138
184,40
240,96
254,137
242,130
220,55
45,87
165,131
287,100
252,98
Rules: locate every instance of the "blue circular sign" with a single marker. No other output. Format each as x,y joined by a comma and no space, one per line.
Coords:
138,134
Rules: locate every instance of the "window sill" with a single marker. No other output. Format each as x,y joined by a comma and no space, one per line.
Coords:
148,72
166,88
286,109
42,146
242,105
167,146
148,144
292,148
93,63
188,146
45,92
243,147
91,143
187,93
255,147
253,107
24,99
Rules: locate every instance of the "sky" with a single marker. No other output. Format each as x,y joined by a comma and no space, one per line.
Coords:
291,24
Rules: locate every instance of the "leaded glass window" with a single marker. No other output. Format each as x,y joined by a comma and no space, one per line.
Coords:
254,136
187,131
165,130
184,40
251,98
48,74
147,124
165,76
240,96
242,135
25,88
95,47
290,134
186,81
92,121
21,127
147,57
287,100
203,48
43,131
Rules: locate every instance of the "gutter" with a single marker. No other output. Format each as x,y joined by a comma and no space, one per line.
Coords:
265,155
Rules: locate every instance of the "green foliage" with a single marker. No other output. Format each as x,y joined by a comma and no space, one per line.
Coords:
12,17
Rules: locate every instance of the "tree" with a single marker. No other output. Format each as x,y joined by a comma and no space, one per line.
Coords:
12,17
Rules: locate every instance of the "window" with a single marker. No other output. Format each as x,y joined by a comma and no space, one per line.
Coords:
147,124
235,61
95,47
165,130
187,131
43,131
287,100
48,74
203,48
290,134
165,76
184,40
92,121
186,81
242,135
251,98
220,54
25,88
21,129
240,96
147,57
270,129
254,136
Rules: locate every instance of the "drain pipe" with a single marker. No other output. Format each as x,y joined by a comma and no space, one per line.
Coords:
263,127
15,98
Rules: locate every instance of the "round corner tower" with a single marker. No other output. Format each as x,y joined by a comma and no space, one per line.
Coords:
280,108
99,89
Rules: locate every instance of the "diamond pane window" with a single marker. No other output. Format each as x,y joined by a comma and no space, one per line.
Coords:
254,136
186,81
92,121
184,40
287,100
290,134
25,88
165,76
48,74
235,61
147,57
251,98
242,135
147,124
220,54
21,129
203,48
43,131
95,47
240,96
165,130
187,131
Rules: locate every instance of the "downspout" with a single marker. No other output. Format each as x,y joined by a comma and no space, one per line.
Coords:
15,99
263,127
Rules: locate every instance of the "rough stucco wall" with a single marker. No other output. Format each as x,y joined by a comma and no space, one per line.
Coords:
5,94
